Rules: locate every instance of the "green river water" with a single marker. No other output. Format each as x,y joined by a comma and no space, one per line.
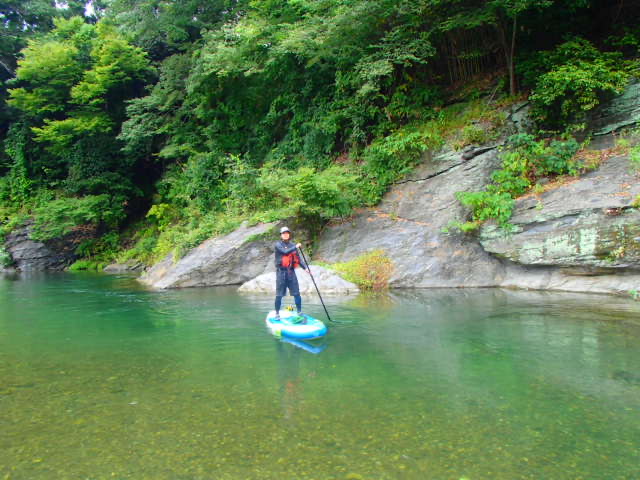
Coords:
101,379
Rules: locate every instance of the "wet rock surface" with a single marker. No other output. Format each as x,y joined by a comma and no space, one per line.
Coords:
622,111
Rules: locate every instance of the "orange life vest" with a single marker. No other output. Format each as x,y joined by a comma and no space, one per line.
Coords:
290,260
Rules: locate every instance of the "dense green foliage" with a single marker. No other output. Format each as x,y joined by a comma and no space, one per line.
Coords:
167,122
575,77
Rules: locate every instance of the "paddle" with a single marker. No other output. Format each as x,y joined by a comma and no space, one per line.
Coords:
314,283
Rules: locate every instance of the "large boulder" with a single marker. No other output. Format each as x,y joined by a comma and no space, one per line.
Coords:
328,282
227,260
410,225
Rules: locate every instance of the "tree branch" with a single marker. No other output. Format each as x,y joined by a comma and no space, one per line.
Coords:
4,65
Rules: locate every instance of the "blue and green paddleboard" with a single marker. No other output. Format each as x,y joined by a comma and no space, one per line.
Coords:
292,325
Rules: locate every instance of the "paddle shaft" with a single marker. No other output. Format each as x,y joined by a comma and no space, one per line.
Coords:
314,283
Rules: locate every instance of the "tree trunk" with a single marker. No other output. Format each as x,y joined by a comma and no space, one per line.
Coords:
512,68
509,48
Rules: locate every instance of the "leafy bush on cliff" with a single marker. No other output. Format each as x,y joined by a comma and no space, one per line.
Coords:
576,77
5,257
309,194
58,217
369,271
389,157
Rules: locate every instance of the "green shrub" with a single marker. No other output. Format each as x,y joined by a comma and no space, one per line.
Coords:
486,205
577,76
527,157
87,265
5,257
163,215
312,195
104,248
390,157
370,271
144,242
150,244
60,216
475,135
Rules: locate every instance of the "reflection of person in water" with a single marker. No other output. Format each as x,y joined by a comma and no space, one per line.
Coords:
289,376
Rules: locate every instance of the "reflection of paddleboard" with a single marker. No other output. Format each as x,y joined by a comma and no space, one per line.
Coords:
293,326
315,349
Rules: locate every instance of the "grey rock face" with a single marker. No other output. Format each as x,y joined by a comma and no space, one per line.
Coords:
581,236
227,260
519,117
409,223
29,255
329,283
586,223
622,111
570,280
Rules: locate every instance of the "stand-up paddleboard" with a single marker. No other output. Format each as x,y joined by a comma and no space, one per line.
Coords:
293,325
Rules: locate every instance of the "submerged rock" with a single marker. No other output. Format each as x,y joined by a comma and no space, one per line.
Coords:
328,282
227,260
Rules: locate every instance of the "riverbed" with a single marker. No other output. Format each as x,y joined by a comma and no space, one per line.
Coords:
100,378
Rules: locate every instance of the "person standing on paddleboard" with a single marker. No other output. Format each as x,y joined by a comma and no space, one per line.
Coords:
287,259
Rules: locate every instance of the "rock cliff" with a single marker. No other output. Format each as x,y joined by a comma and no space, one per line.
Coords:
408,224
580,235
583,235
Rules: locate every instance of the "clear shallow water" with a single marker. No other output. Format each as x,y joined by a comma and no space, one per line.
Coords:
102,379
